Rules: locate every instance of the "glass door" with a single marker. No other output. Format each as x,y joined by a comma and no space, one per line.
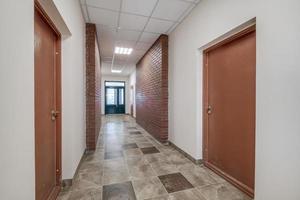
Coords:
121,101
114,97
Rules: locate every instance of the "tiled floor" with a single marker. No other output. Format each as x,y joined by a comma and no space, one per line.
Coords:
129,164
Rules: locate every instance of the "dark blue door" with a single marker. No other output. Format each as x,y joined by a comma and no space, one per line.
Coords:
114,100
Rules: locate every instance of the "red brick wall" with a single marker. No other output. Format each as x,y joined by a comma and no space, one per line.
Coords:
152,90
93,112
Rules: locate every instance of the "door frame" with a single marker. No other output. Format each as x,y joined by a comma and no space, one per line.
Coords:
58,102
238,184
105,87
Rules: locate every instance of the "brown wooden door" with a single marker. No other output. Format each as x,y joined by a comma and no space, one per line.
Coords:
46,101
230,109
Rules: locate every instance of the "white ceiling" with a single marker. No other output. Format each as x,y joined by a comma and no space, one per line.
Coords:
133,24
126,70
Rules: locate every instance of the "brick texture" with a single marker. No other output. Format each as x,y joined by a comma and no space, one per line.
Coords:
93,89
152,90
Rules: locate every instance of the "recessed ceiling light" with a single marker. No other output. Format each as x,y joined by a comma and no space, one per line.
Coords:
122,50
116,71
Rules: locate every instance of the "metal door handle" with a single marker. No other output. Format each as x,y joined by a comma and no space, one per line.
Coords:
209,109
54,114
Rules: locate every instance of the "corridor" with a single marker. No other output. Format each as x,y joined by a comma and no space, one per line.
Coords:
130,164
122,99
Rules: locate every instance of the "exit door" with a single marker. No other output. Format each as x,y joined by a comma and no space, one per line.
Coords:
114,97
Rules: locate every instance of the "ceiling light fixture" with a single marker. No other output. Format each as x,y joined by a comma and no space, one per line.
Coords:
116,71
122,50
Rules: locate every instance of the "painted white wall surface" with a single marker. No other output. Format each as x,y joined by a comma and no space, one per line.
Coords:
127,91
132,82
278,85
17,100
73,87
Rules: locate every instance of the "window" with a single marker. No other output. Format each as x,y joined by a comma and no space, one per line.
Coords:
111,96
115,83
121,96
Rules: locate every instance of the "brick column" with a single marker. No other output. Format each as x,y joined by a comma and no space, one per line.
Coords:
152,90
93,87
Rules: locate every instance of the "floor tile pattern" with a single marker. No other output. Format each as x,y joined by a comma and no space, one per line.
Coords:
175,182
149,150
130,164
135,133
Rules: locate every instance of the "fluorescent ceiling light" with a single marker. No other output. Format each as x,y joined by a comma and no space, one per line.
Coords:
122,50
116,71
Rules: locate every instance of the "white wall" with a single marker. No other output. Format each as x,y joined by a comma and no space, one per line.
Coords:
73,87
17,95
278,86
17,100
127,91
132,82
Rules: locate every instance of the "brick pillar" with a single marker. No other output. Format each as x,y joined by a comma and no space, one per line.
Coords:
152,90
93,87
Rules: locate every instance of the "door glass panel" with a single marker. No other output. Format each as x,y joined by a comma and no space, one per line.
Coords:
111,96
121,96
114,84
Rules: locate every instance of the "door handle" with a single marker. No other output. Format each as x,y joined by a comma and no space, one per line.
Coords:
209,109
54,114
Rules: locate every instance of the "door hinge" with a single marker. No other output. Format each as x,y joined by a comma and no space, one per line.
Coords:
209,109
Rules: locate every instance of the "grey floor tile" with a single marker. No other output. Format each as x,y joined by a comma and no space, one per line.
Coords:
87,194
87,182
63,196
144,144
139,168
222,192
141,140
132,153
92,179
165,167
157,157
115,176
90,167
148,188
115,171
129,146
218,178
127,162
149,150
135,133
96,156
163,197
198,178
191,194
120,191
113,155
